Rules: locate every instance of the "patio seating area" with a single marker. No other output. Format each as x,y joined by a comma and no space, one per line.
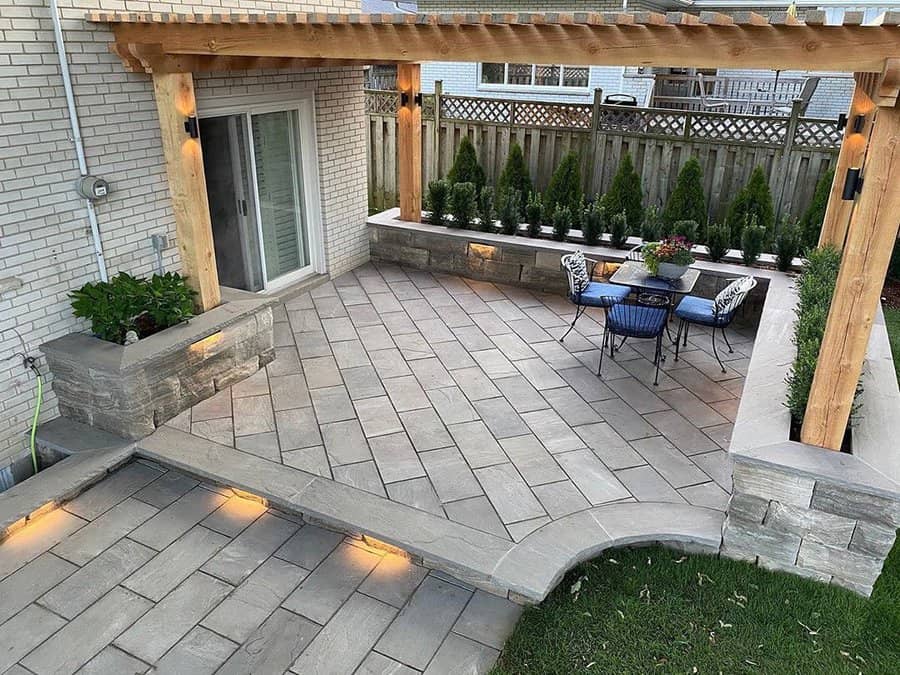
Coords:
456,397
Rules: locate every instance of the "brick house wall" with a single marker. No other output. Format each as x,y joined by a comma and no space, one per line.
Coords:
45,244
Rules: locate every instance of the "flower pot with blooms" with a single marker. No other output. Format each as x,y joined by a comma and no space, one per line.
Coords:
669,258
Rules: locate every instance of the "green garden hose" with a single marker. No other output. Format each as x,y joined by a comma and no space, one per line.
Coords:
37,411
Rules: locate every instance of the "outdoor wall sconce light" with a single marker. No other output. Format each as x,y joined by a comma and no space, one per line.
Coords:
859,122
191,127
404,99
852,184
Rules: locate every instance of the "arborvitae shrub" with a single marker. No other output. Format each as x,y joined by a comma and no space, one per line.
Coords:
753,201
534,214
689,229
486,209
515,176
718,241
438,199
625,193
510,208
565,186
463,205
810,225
687,201
562,223
651,228
466,168
593,223
787,245
753,239
618,229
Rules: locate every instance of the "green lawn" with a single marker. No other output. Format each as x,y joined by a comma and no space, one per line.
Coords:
650,610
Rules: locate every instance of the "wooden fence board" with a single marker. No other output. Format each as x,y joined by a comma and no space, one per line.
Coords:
728,147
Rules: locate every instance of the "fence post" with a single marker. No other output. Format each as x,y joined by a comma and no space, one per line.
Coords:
596,112
436,144
784,165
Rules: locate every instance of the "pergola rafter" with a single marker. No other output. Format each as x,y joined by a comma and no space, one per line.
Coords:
172,46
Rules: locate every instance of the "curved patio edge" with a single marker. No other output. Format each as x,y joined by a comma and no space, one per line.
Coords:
534,566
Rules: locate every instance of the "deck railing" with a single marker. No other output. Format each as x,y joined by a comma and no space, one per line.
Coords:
744,95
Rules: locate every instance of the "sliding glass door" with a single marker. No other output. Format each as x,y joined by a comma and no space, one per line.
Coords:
254,166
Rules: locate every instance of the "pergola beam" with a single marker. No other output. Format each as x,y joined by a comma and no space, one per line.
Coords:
614,42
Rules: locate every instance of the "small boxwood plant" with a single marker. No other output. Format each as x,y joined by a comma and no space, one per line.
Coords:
787,244
126,303
593,222
486,209
534,214
562,223
510,207
618,229
753,239
718,240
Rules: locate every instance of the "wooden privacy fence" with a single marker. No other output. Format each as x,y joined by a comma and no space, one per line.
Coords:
793,151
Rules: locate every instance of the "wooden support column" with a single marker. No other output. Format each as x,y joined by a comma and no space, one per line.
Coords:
853,150
867,253
187,185
409,141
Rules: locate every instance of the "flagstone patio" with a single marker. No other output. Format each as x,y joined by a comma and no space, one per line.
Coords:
456,397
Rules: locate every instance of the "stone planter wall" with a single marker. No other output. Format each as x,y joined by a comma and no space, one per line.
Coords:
821,514
519,261
794,509
131,390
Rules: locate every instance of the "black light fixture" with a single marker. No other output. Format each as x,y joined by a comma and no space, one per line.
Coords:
192,127
852,184
404,99
842,121
859,122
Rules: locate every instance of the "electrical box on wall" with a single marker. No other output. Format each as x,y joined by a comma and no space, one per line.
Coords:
91,187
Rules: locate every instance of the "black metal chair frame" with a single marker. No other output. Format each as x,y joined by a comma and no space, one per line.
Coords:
575,296
721,320
610,332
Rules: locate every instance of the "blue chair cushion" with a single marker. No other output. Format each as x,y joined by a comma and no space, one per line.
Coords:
700,310
599,294
639,321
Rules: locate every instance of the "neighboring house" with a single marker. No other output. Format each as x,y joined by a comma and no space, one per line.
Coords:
286,176
577,84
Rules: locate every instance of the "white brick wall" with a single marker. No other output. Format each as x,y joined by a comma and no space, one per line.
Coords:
44,235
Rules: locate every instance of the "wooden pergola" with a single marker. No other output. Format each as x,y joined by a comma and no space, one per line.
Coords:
171,47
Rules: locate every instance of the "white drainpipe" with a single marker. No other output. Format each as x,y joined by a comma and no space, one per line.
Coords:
76,134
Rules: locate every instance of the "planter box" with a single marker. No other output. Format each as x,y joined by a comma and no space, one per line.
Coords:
130,390
821,514
521,261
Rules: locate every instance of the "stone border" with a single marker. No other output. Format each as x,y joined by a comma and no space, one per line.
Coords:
825,515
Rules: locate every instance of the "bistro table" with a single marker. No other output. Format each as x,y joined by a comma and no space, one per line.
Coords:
652,290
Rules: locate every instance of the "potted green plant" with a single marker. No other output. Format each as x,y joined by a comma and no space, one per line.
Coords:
669,258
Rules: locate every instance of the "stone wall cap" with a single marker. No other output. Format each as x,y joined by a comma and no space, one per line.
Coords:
391,219
818,463
90,350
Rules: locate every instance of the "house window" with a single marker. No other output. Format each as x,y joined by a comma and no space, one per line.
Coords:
534,75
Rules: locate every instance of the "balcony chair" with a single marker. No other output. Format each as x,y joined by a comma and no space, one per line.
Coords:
584,292
630,319
708,102
716,314
806,94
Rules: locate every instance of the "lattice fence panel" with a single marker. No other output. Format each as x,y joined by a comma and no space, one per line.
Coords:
814,133
741,128
641,121
382,102
555,115
476,109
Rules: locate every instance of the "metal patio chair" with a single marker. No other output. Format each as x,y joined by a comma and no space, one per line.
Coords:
716,314
629,319
583,292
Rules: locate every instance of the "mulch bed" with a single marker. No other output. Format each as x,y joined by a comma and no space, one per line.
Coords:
891,293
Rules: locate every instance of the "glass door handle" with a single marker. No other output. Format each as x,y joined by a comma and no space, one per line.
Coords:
242,204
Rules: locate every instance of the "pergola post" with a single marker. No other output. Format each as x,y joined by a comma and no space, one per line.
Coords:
409,141
187,185
853,151
867,252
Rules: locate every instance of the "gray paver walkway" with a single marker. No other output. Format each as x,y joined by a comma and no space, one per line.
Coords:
455,396
239,589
